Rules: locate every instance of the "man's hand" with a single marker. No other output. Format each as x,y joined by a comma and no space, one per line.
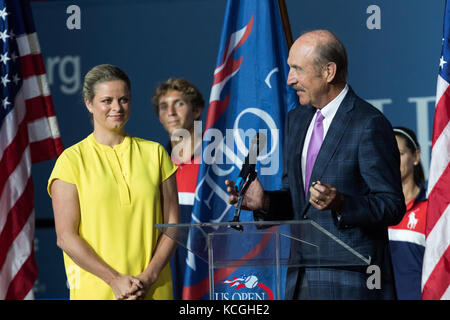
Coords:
254,197
325,197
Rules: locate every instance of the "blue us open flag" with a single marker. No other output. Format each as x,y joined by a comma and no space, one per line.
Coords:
249,95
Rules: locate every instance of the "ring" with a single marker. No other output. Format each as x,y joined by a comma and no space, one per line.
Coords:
316,201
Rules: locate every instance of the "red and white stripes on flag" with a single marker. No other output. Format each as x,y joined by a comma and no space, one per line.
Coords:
29,133
436,265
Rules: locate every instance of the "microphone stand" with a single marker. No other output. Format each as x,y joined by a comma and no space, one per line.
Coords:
252,176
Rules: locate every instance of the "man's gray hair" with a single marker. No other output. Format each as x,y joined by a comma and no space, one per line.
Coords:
331,49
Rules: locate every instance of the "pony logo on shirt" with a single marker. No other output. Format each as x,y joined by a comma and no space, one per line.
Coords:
412,222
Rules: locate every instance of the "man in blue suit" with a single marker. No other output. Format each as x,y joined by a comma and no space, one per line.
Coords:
341,170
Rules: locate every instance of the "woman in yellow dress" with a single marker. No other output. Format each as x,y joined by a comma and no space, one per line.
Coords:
108,192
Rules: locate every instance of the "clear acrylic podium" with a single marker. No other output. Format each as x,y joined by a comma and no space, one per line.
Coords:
262,246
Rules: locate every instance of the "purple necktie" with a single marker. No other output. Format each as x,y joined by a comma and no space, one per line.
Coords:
313,149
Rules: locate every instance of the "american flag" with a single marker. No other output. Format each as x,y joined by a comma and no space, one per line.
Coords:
28,133
436,266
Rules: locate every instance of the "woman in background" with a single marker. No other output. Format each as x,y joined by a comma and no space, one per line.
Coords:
108,192
407,239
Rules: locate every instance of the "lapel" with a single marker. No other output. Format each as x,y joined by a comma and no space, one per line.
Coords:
300,124
334,135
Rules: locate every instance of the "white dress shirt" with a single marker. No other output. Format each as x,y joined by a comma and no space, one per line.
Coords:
328,113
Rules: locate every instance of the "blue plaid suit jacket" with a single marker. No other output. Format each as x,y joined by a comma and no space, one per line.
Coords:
360,158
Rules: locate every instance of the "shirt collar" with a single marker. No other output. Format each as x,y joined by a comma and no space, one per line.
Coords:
422,196
331,108
123,146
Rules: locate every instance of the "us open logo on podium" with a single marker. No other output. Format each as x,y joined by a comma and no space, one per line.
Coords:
245,288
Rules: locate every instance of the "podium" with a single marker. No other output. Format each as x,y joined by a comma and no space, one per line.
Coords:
262,248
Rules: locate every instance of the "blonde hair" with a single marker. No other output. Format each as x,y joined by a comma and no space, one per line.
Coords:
102,73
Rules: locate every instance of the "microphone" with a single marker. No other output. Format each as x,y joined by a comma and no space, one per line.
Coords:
257,143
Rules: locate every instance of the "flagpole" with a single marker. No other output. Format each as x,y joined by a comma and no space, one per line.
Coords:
286,24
